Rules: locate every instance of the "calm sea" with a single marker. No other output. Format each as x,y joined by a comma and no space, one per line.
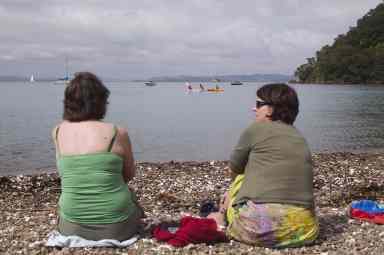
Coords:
167,123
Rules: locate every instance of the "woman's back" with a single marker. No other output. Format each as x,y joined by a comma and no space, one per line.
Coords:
86,137
95,162
93,188
270,202
277,165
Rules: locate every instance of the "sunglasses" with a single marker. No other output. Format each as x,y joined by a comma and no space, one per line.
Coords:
261,103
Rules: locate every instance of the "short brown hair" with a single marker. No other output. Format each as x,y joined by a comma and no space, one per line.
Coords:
85,98
283,100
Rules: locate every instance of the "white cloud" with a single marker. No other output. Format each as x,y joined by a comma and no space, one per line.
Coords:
137,39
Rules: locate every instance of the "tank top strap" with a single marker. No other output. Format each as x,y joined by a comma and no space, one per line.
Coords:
113,138
57,139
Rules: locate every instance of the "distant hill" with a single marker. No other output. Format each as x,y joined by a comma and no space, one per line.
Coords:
13,78
180,78
224,78
22,78
355,57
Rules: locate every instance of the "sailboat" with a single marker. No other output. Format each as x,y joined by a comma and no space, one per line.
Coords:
236,83
32,79
65,80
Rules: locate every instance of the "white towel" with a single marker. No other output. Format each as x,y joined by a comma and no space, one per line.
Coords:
58,240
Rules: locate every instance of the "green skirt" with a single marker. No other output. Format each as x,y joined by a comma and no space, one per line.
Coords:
118,231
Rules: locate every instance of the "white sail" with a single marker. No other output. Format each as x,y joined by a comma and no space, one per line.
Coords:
32,79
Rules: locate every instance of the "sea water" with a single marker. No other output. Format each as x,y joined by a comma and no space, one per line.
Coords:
165,122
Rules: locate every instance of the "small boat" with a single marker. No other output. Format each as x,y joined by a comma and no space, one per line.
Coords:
150,83
65,80
32,79
60,81
236,83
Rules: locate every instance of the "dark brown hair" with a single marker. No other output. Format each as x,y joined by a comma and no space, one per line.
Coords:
283,100
85,98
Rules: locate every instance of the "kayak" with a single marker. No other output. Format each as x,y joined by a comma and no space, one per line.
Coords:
215,90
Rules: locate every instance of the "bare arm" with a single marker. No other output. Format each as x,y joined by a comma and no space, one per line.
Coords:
53,135
129,169
240,154
233,174
229,172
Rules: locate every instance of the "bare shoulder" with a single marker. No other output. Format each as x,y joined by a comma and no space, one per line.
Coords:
122,138
121,131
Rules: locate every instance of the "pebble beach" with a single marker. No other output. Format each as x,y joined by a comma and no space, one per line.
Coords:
167,190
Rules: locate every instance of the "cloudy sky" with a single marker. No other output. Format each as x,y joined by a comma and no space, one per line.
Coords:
133,39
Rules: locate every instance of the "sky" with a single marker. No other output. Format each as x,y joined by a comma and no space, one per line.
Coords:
138,39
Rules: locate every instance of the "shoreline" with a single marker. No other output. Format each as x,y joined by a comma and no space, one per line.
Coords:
381,83
52,168
167,189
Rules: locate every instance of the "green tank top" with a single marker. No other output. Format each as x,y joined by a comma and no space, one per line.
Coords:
93,190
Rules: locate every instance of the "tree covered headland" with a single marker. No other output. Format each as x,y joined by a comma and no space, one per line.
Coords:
354,58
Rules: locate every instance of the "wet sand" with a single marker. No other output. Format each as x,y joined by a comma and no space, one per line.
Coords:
168,189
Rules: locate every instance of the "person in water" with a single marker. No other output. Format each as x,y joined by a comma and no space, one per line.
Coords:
95,162
270,203
189,86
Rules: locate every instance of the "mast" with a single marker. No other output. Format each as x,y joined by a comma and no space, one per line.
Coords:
66,69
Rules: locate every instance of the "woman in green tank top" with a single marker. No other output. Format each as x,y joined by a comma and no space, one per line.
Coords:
95,162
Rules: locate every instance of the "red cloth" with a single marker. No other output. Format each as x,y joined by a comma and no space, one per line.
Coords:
371,217
191,230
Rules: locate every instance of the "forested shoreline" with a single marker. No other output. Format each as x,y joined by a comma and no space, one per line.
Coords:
356,57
